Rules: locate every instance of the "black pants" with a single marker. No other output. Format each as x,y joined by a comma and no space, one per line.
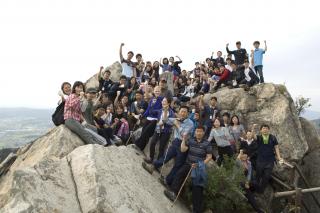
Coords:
163,138
263,175
251,200
147,132
107,133
226,150
197,199
197,191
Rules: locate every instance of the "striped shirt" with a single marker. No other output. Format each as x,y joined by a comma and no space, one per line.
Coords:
72,108
198,150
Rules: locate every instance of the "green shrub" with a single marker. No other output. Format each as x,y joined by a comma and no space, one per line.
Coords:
223,193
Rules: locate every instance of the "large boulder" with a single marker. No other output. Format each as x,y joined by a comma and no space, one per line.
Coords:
116,72
270,104
58,173
311,163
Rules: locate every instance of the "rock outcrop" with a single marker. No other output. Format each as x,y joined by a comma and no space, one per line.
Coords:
58,173
270,104
116,72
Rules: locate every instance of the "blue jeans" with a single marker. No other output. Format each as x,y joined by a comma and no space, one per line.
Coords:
258,70
173,151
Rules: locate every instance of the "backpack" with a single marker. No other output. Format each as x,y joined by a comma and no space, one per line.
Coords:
58,115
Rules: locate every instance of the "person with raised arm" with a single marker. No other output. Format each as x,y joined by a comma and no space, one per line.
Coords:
258,57
240,54
128,66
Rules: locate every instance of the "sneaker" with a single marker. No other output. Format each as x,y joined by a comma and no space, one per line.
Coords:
147,160
170,195
234,83
149,168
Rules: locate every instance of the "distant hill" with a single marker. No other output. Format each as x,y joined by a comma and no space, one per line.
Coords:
311,115
19,126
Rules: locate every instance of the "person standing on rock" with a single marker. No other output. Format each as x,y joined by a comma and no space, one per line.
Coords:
240,54
258,57
163,131
73,116
199,154
105,83
222,137
267,152
128,66
151,114
182,126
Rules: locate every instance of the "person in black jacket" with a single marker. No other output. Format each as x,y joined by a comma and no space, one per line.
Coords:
267,152
249,145
240,54
105,83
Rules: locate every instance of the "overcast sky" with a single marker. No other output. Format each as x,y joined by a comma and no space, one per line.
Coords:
43,43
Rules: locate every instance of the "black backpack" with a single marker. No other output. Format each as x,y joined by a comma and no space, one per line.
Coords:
58,115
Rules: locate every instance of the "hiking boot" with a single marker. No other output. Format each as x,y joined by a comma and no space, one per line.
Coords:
163,181
148,167
147,160
170,195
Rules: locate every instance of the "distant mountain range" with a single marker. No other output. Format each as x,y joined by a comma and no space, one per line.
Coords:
311,115
19,126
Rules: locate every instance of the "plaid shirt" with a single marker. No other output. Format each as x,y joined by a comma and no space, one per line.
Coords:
72,108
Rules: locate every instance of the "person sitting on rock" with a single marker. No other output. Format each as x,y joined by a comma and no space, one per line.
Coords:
120,124
165,92
124,102
73,116
137,108
175,68
182,126
199,154
128,66
105,83
132,88
222,138
164,64
87,108
219,60
250,78
267,152
225,77
151,114
64,92
117,87
163,131
245,164
103,128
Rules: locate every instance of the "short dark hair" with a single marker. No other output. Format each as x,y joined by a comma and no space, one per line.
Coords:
64,83
264,125
231,122
184,107
214,97
139,92
77,84
200,127
246,61
130,52
238,42
219,52
123,77
138,55
108,71
226,114
228,59
256,42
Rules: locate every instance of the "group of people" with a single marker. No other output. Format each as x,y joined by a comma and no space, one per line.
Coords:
187,129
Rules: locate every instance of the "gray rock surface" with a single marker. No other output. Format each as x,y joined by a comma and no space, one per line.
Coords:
116,71
270,104
57,173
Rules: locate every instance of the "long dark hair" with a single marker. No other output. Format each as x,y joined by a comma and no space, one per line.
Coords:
76,84
231,122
